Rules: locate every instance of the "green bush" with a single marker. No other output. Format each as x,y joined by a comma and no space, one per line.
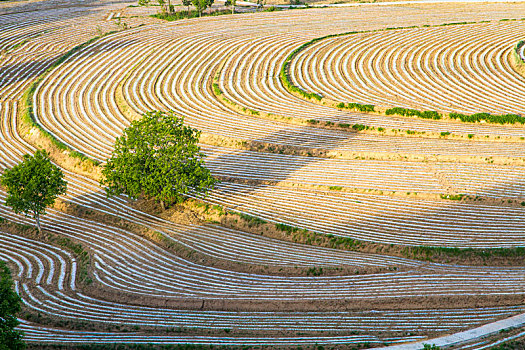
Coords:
360,127
314,271
490,118
406,112
356,106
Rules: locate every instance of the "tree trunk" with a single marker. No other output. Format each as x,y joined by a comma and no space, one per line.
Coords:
233,8
162,205
169,6
37,219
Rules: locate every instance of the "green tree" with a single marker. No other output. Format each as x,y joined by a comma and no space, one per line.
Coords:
162,4
33,185
231,3
260,4
202,5
10,338
187,3
430,347
157,157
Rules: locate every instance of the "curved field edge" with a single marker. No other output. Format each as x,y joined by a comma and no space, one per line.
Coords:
256,225
354,128
85,163
88,166
27,107
518,64
284,76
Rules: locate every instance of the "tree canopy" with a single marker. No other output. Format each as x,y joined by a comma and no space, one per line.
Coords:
33,185
10,339
187,3
157,157
202,5
231,3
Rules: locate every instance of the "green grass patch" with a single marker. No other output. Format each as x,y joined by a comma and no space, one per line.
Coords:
82,255
314,271
287,228
427,253
252,220
216,89
424,253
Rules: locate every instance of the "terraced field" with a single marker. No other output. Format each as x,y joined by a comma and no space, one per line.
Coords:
312,235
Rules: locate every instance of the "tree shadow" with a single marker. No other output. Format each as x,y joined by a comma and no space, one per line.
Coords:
277,188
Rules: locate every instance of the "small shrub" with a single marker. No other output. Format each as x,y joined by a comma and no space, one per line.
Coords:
216,89
453,197
314,271
360,127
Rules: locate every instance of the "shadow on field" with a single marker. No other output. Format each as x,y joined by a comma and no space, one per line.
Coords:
401,217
